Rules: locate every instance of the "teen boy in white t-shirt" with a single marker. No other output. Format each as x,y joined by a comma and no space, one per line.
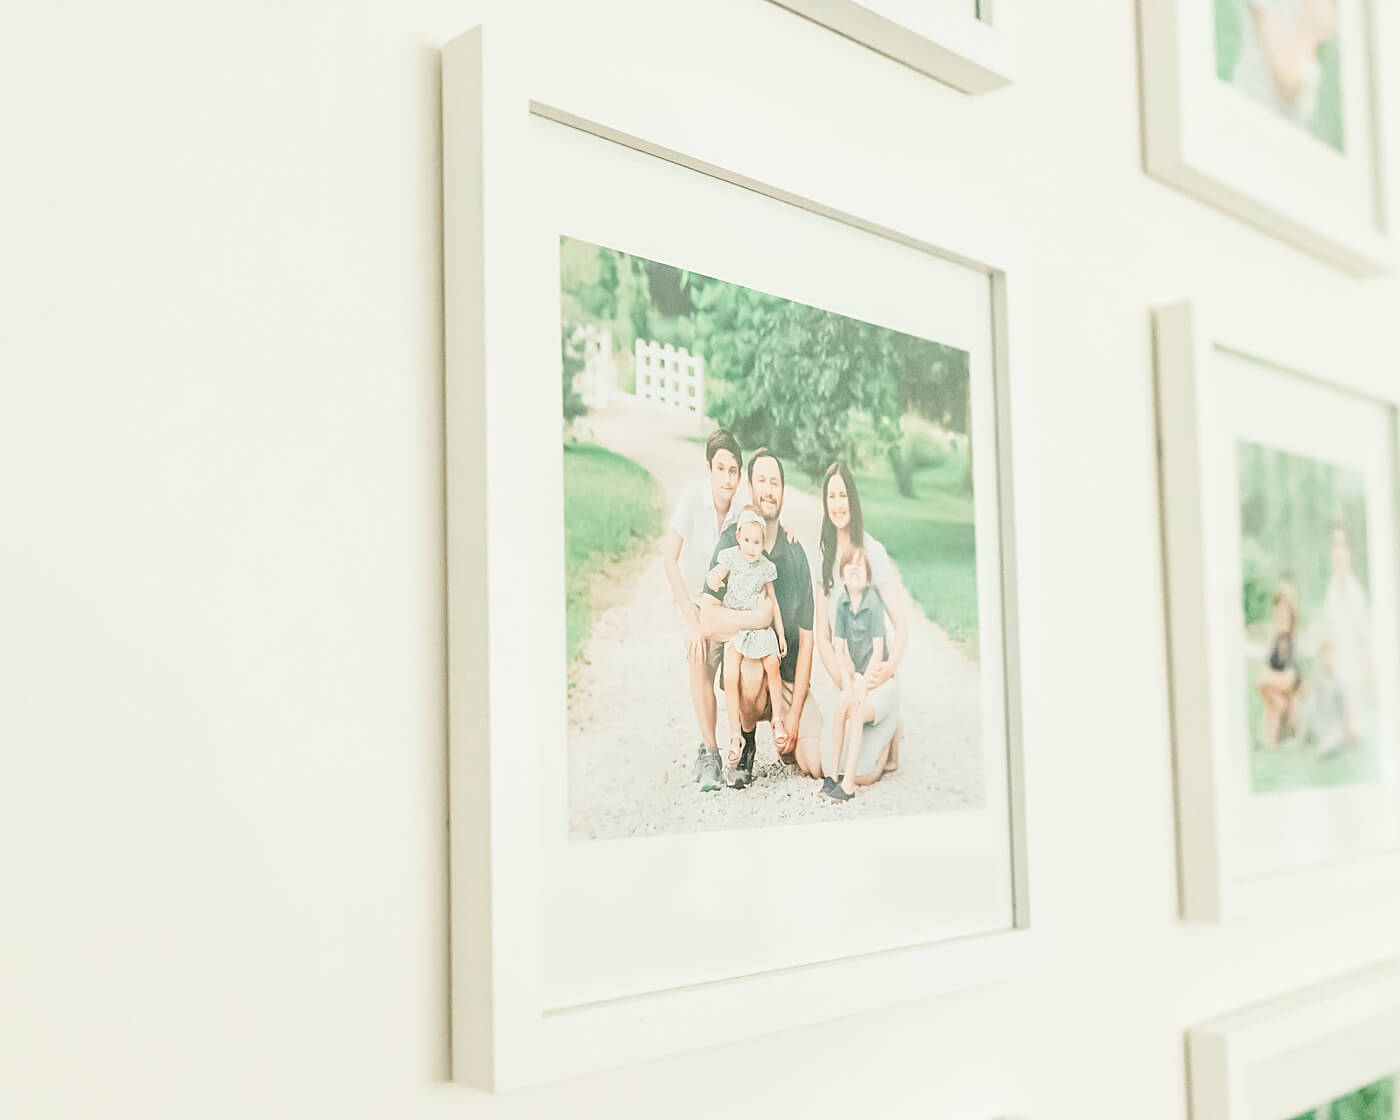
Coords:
706,506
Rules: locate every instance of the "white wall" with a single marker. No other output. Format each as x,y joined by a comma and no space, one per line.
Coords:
221,697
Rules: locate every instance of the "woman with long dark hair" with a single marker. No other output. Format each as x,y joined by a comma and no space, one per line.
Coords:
843,530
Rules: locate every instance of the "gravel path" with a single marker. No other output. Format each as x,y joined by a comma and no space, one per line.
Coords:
632,731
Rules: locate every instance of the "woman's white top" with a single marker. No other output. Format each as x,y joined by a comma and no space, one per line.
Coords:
1346,618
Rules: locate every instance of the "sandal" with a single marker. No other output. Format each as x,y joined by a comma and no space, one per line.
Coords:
736,749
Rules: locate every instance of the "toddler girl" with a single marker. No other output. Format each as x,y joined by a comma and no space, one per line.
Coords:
751,575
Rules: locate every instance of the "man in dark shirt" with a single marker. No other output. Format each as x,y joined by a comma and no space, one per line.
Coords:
793,588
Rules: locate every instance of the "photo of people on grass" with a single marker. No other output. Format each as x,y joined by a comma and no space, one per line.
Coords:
1283,55
1309,657
771,558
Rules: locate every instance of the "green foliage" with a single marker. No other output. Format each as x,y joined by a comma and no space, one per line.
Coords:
794,374
933,381
1371,1102
920,445
1229,28
813,385
669,288
612,509
587,282
864,447
571,352
902,470
633,301
1327,124
1288,505
1262,577
923,444
604,288
679,330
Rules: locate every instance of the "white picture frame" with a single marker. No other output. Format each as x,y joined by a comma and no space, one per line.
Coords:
507,1030
1244,851
1288,1056
1213,142
973,52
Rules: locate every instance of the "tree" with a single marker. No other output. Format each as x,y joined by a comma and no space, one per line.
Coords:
629,322
933,380
571,355
607,288
934,383
1288,507
790,376
587,281
669,288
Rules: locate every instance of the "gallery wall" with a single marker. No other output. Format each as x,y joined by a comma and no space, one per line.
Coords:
221,364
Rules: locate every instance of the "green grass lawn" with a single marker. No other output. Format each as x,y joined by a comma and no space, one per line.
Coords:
1297,766
933,540
612,509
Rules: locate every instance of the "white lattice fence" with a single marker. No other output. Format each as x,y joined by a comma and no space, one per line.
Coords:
670,377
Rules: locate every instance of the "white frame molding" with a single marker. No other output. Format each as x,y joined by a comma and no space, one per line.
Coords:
975,54
1191,143
1186,335
1288,1055
504,1035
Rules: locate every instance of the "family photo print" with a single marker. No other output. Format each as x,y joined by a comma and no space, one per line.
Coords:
1284,55
1277,112
771,558
1309,655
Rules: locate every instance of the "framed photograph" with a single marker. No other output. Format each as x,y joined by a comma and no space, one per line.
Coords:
1278,467
1275,111
1328,1053
735,718
966,44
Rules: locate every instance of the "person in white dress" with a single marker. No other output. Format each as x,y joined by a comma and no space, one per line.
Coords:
1278,60
1346,623
843,529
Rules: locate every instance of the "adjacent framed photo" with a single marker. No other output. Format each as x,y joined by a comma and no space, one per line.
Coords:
1279,488
1328,1053
1275,110
967,44
735,717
